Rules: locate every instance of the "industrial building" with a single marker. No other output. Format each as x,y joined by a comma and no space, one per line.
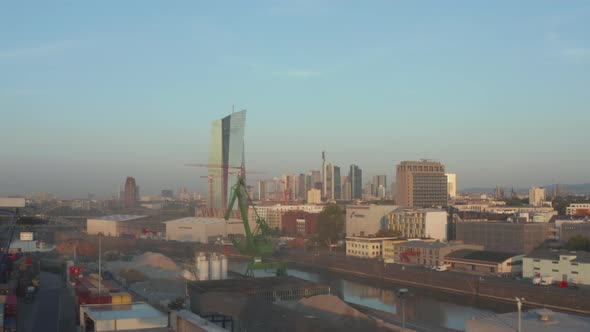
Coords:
562,265
481,261
537,320
573,228
113,225
428,254
299,222
520,238
201,229
119,317
418,223
421,184
273,214
365,220
365,247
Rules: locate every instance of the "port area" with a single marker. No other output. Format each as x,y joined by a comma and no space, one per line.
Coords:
51,311
576,301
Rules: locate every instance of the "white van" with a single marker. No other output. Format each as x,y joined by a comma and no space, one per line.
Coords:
440,268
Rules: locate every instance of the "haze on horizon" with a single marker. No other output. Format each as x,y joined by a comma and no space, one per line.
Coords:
93,92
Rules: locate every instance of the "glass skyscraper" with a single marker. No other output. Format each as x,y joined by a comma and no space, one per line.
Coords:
226,153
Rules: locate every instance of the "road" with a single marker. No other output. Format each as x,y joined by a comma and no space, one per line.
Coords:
51,311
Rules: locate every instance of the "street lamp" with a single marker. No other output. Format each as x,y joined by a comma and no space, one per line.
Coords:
401,294
519,305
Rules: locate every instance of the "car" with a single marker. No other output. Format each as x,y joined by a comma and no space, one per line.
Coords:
440,268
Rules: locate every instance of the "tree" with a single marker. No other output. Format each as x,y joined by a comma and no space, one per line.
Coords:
388,233
330,224
578,242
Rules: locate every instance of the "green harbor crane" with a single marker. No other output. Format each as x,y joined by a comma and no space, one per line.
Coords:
258,242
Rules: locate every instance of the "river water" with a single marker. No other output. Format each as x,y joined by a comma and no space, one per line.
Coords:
422,305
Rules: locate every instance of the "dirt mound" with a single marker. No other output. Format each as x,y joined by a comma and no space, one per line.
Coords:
154,260
331,304
132,275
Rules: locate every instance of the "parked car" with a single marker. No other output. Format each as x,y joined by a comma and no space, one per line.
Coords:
440,268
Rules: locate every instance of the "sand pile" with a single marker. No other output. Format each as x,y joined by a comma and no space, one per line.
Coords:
155,260
331,304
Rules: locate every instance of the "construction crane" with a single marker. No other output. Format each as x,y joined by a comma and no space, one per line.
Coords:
258,242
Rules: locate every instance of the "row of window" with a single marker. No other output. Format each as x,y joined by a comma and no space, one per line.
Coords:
554,262
554,270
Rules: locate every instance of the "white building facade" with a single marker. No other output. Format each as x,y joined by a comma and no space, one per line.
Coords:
419,223
273,214
452,185
109,225
578,209
537,196
562,265
364,220
365,247
204,230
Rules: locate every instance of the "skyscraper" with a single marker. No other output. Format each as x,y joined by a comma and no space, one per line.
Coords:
379,186
316,179
421,184
355,177
336,184
452,185
130,192
227,150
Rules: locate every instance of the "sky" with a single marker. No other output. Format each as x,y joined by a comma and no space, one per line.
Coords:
92,92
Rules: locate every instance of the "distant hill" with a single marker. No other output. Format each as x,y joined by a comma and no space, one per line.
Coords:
575,189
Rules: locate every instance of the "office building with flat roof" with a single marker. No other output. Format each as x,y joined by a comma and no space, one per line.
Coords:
421,184
518,238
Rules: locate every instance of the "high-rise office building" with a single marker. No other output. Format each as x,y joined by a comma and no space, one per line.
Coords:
346,193
227,150
332,185
537,196
130,192
379,186
421,184
499,193
356,182
452,185
167,193
316,180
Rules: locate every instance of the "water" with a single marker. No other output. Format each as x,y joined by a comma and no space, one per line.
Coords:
422,305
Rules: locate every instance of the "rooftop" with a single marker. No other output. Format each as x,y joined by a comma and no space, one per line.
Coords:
553,254
100,312
201,220
436,245
120,217
481,255
530,322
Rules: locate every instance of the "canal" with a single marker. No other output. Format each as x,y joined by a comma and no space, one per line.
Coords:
433,308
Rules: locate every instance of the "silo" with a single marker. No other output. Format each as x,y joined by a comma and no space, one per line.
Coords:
202,267
214,267
223,259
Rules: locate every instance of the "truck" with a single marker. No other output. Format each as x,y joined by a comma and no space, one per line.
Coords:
542,281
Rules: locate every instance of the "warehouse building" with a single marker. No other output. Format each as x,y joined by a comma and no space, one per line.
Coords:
481,261
204,230
365,247
562,265
113,225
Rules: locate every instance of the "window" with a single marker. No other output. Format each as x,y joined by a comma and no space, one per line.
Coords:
555,262
575,264
536,269
536,260
554,270
574,272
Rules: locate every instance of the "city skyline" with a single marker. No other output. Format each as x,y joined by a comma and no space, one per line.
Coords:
88,98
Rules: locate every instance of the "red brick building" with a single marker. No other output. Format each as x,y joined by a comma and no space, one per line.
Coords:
299,222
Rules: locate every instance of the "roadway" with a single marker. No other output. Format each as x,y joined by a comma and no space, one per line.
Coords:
52,310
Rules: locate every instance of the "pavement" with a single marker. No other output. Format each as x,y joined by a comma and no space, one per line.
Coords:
52,310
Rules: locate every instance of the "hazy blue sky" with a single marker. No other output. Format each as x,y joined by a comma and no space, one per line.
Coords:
91,92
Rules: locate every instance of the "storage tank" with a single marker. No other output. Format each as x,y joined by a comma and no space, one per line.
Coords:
214,267
202,267
223,259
